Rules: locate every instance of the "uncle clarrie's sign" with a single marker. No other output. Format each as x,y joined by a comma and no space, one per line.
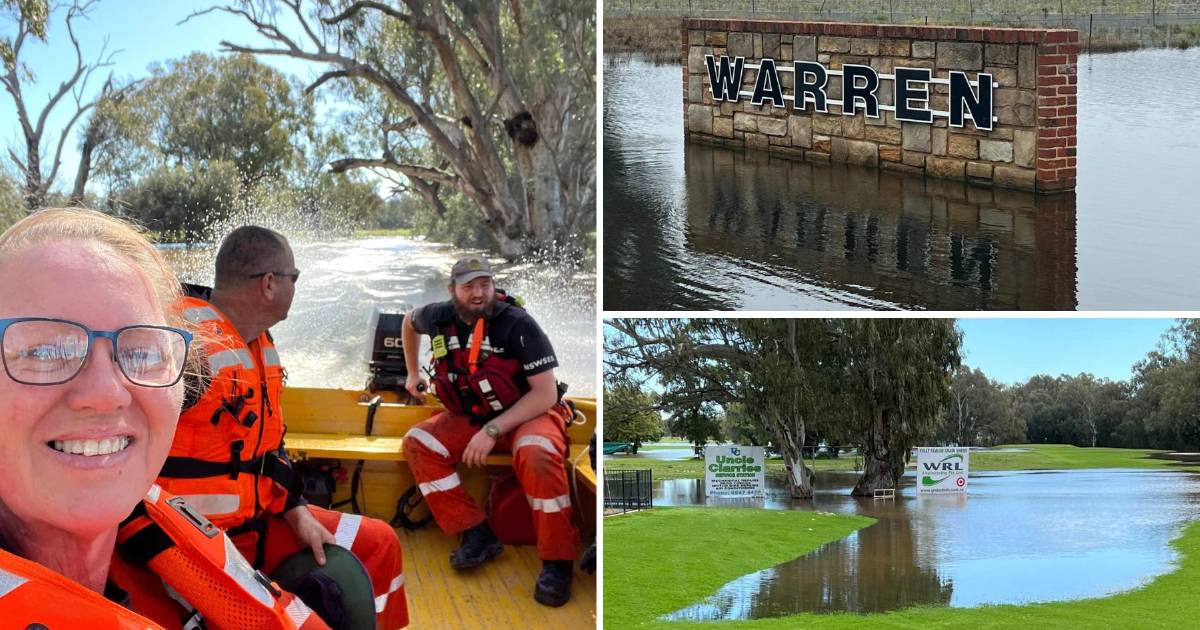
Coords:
860,86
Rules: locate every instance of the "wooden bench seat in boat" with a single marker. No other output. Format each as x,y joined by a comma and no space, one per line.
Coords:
325,423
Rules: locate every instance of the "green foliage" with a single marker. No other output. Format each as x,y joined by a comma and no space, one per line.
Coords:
741,425
630,414
696,424
1167,389
35,13
1080,410
896,374
180,202
202,110
461,224
980,412
12,203
205,138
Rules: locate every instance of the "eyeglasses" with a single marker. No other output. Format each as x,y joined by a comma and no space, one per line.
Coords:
294,275
46,351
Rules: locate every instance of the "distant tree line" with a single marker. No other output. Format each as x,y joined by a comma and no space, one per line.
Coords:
1158,407
880,385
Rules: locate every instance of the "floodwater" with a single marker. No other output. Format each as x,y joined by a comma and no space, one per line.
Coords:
1015,538
324,340
693,227
671,452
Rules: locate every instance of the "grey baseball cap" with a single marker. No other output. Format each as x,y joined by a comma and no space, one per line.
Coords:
467,269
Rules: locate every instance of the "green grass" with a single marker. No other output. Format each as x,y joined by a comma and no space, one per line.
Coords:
1038,457
659,561
384,232
1064,456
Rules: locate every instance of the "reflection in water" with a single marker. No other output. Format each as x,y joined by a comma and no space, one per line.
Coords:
323,341
689,227
1017,538
903,239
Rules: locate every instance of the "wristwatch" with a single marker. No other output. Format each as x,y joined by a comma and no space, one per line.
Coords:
492,430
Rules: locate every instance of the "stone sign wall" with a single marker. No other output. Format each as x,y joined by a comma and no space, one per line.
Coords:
1031,146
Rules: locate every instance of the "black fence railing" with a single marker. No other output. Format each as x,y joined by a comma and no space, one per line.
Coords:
626,490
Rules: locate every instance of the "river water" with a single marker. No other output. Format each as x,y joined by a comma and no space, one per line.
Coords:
1014,538
694,227
323,342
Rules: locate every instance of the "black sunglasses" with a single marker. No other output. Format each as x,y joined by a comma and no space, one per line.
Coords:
295,275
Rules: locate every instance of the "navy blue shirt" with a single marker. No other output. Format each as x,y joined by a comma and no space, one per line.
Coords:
511,331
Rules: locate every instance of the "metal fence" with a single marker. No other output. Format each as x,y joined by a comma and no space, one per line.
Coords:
1146,22
626,490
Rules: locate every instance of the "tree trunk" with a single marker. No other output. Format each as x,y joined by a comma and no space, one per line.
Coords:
545,201
35,188
791,446
800,478
882,468
85,162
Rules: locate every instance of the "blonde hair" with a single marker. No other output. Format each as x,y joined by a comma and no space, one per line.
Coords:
126,241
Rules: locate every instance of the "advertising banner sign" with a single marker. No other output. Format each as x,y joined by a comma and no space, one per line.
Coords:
942,469
734,471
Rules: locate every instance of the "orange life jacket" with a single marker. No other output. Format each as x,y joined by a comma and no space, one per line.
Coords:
473,380
227,457
168,557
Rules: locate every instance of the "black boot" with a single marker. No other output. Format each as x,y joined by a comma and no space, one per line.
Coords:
479,545
554,584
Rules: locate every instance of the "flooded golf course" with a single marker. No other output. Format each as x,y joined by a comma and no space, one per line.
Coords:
1015,538
693,227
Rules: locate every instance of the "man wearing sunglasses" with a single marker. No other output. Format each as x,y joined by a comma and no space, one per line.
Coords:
228,458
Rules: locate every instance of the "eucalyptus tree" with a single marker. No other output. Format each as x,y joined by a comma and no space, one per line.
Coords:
37,156
204,111
492,101
1165,389
790,380
630,414
896,377
981,412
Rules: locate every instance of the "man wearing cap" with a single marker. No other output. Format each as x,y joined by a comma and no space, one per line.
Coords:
227,458
494,373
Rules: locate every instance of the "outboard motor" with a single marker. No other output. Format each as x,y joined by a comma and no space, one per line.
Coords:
386,358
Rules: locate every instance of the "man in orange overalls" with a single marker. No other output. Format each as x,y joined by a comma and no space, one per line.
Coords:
227,458
494,373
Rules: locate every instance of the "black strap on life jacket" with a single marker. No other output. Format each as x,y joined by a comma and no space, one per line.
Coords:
142,547
147,543
273,465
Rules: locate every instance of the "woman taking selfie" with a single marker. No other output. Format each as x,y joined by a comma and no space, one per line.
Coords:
93,353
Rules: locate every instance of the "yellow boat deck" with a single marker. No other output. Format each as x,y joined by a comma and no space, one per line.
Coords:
497,595
328,425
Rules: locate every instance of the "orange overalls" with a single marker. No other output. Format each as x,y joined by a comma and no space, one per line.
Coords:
539,446
227,459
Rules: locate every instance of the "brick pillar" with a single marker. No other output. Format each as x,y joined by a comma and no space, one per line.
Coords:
1057,90
684,57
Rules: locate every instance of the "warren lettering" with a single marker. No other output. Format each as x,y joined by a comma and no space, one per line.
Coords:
860,90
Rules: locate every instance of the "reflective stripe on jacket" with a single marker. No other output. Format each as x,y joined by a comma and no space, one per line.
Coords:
225,459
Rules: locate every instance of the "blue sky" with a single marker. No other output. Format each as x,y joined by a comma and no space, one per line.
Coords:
1012,350
145,33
